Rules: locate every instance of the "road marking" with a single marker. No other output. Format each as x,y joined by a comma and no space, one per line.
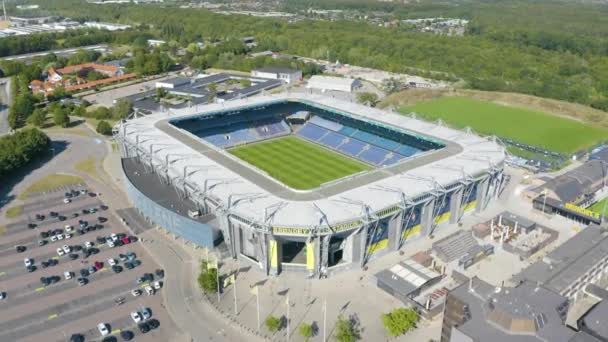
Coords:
40,289
53,316
114,332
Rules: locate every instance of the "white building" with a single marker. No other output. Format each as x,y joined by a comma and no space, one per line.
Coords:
325,83
284,74
107,26
156,42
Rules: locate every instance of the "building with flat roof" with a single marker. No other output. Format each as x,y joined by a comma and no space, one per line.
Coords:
284,74
581,260
325,83
478,312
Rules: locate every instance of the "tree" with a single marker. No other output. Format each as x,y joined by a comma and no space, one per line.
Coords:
306,331
103,127
392,85
61,118
346,330
273,323
122,109
399,321
370,99
207,279
102,113
16,150
38,117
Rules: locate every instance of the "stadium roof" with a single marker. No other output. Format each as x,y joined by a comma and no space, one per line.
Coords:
253,195
578,182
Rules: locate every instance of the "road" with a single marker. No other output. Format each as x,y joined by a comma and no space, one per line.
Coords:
29,57
5,100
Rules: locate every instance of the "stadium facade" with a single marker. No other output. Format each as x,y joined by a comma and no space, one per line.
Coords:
422,175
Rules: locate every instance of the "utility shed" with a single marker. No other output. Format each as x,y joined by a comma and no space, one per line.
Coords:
325,83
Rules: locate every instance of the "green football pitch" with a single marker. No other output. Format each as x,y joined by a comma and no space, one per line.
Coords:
297,163
530,127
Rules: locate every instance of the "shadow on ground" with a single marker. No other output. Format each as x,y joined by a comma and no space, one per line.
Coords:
10,181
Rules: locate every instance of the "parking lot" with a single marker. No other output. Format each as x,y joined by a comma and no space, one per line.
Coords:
67,265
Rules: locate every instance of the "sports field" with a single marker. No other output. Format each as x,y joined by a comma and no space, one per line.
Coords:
599,206
297,163
530,127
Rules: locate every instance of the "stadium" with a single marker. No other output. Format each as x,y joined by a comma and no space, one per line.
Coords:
302,182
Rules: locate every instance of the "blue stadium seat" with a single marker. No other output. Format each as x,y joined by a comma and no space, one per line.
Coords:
312,132
407,150
395,158
332,139
373,155
347,130
352,147
385,143
330,125
364,136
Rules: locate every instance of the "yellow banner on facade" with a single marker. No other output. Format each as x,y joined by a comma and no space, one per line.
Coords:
274,254
310,256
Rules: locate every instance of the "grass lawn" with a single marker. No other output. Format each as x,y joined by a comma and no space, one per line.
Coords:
298,163
87,166
534,128
13,212
599,206
50,182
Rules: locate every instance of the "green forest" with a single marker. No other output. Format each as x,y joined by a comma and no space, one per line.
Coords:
546,48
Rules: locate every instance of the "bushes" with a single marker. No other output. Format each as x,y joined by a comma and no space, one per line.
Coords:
273,323
103,127
346,330
38,117
18,149
306,331
207,279
399,321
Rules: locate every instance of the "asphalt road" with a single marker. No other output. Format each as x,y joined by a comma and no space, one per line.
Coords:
5,100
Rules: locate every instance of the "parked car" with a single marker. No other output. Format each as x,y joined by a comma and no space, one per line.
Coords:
92,269
31,268
68,228
42,243
28,262
126,335
143,327
112,262
146,313
44,235
44,264
136,292
82,281
66,248
2,295
68,275
67,200
62,218
149,290
73,256
54,238
88,244
136,263
60,252
98,265
53,214
20,249
135,316
153,323
32,225
158,285
117,268
123,257
103,329
68,236
129,265
84,272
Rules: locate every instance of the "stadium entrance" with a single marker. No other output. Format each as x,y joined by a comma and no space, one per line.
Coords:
293,252
336,251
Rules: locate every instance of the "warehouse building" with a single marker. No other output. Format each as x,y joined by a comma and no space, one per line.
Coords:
284,74
328,83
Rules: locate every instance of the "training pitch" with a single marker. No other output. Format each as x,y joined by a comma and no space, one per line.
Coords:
297,163
530,127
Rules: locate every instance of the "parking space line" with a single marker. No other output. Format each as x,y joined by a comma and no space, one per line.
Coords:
40,289
114,332
53,316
